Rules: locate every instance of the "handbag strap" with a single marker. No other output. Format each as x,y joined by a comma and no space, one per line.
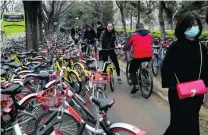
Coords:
200,65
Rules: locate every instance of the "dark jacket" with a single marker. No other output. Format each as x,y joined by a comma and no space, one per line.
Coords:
90,35
99,31
108,39
183,58
72,31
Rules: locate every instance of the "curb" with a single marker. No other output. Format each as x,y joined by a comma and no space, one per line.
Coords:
154,87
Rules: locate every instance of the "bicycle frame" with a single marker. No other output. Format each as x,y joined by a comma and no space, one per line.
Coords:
14,56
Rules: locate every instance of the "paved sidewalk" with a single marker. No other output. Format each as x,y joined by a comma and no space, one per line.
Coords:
163,93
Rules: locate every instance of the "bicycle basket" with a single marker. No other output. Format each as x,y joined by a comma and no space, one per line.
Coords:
50,97
99,78
6,101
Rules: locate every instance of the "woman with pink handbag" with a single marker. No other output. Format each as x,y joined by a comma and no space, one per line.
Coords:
185,72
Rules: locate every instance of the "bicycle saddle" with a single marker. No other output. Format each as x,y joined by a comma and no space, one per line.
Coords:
5,67
3,72
66,57
89,60
103,104
8,60
13,65
21,56
12,90
43,74
22,53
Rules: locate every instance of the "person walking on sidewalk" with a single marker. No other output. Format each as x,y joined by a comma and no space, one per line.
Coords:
186,60
141,41
108,41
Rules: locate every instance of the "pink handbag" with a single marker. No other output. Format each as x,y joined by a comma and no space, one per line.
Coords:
192,88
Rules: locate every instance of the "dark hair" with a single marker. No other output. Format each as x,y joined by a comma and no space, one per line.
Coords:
113,30
186,21
139,25
99,23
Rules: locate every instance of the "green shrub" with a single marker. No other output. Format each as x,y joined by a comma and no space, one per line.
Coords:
157,33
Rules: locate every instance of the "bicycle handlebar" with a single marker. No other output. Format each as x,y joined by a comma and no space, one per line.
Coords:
109,48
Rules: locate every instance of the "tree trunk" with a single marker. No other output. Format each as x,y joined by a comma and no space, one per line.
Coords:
170,21
101,11
123,20
131,20
31,15
40,32
138,12
161,19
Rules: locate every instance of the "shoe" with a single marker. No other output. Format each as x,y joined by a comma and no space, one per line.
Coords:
130,82
135,89
119,81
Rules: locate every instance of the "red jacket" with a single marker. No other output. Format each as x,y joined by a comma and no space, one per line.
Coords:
142,44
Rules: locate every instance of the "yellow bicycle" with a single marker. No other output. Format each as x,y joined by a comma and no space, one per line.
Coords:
70,75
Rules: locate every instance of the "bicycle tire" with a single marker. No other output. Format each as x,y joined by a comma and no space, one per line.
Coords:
146,73
127,73
126,128
39,110
78,68
112,81
155,59
68,119
76,84
92,107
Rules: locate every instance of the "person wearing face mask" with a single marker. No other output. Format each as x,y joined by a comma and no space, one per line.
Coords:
186,60
107,41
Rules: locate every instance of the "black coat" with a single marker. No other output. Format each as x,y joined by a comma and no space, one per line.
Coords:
183,58
99,31
90,35
108,40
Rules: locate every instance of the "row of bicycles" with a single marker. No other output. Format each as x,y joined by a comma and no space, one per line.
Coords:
57,90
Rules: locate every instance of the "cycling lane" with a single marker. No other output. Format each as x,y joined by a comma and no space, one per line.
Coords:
151,115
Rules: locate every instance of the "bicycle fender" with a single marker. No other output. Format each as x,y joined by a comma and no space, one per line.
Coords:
110,68
27,97
132,128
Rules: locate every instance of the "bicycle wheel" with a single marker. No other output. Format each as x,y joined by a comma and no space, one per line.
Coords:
67,126
76,84
27,118
155,67
146,83
127,73
78,68
112,82
125,129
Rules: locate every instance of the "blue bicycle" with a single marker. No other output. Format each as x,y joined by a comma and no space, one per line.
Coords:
159,52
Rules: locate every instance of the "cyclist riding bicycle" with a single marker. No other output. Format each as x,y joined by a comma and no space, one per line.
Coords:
141,41
99,31
90,37
108,40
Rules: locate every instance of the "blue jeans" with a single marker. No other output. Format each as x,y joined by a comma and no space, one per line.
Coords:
95,47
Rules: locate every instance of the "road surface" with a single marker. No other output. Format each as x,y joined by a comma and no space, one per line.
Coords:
151,115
